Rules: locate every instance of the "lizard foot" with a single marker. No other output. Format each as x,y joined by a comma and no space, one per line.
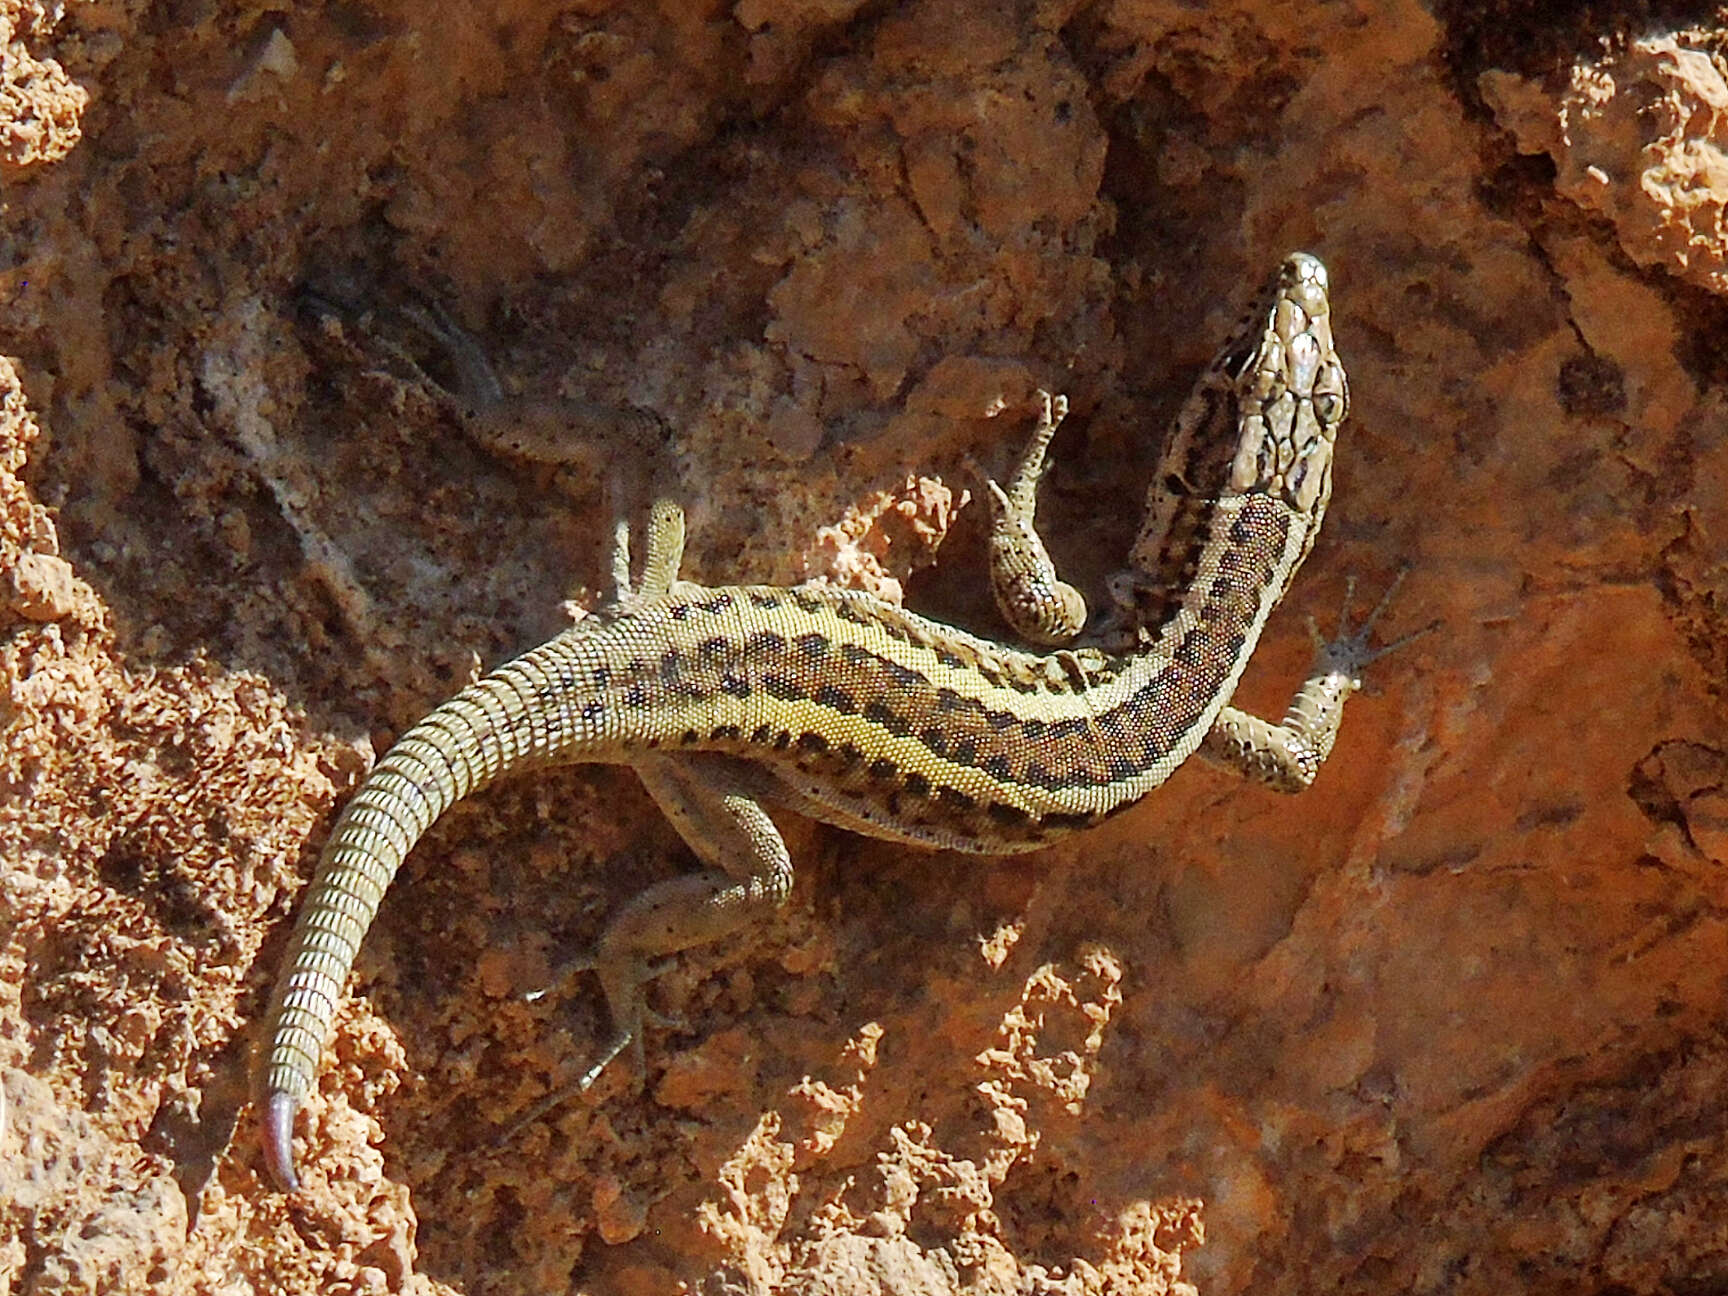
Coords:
623,980
1351,650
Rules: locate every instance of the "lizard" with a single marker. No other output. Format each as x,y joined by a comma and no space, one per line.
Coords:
866,716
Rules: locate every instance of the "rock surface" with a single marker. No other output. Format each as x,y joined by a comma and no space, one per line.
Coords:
1451,1021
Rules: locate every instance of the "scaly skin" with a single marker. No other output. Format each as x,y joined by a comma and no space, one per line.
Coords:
1036,603
862,714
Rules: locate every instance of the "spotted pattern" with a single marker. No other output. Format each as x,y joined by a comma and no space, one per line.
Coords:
953,738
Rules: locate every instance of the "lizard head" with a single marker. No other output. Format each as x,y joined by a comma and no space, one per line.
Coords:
1262,419
1264,416
1291,393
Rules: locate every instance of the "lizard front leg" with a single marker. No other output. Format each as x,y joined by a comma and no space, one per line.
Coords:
1288,756
1039,606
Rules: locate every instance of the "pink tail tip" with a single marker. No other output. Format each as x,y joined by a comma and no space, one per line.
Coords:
278,1132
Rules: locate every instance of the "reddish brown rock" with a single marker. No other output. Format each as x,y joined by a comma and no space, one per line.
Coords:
1451,1021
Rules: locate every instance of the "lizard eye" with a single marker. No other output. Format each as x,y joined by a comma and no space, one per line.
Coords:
1239,359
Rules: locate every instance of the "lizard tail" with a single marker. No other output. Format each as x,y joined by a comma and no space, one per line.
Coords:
482,732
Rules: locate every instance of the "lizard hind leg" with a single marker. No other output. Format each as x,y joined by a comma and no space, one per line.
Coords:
713,802
664,548
663,553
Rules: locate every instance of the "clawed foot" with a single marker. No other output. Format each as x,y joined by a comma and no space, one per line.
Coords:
1051,411
631,1015
558,1097
1350,651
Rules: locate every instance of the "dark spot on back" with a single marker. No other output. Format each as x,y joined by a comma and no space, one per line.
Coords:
878,714
835,699
764,642
778,686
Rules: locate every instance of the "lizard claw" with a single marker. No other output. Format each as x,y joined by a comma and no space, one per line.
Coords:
622,981
558,1097
1352,649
